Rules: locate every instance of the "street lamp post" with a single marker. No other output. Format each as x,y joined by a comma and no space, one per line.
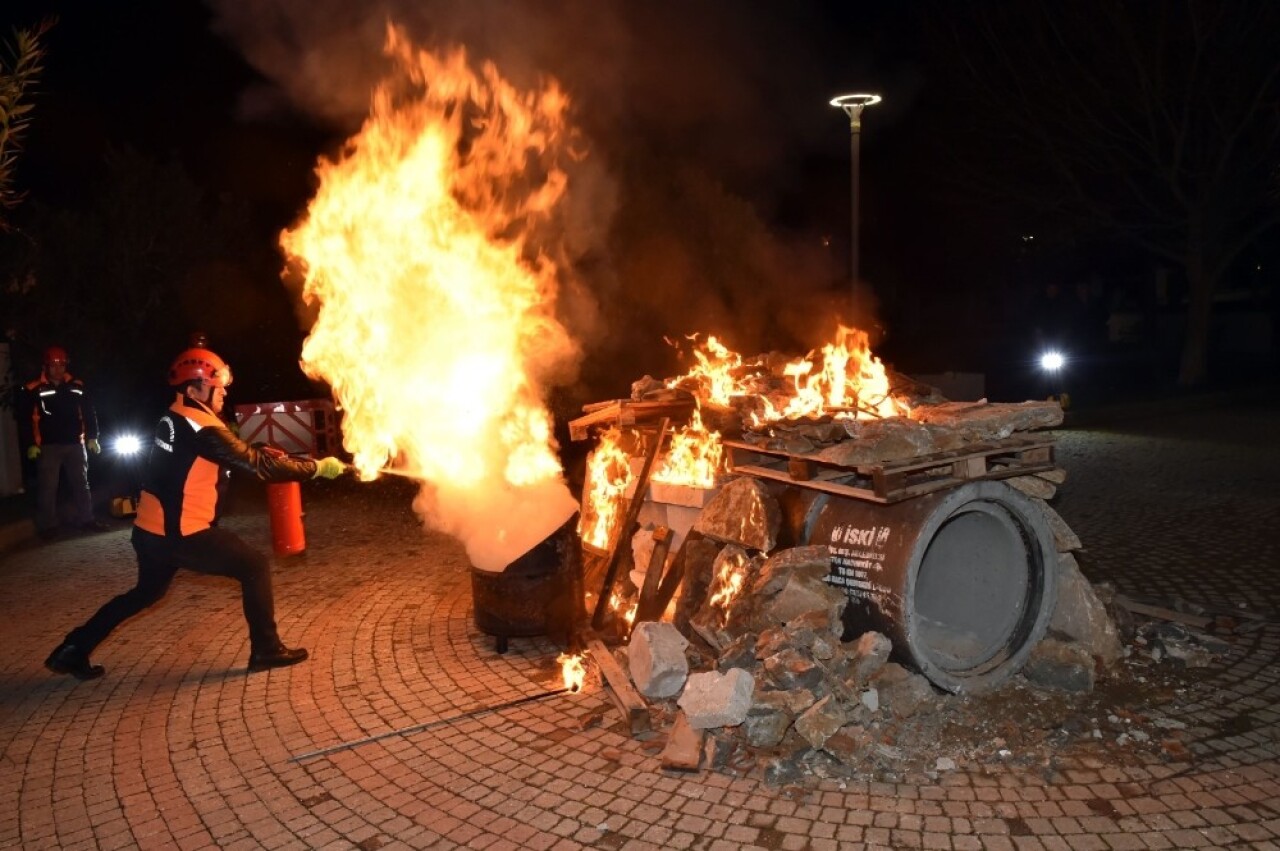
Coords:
853,106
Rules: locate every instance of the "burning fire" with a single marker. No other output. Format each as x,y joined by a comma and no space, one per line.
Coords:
727,583
693,456
627,612
435,323
573,670
608,474
843,379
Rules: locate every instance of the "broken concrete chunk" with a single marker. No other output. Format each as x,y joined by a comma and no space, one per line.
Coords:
788,670
740,653
1080,616
902,692
699,554
713,699
641,554
824,646
1057,475
1064,539
804,596
849,744
813,561
1033,486
876,441
988,421
1060,664
820,721
657,660
742,513
768,719
870,654
820,622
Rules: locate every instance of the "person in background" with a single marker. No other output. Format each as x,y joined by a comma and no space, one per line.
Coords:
60,432
192,448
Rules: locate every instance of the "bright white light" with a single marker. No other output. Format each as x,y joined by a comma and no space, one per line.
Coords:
856,101
128,444
1052,361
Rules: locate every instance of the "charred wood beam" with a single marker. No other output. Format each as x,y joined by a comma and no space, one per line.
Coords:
624,533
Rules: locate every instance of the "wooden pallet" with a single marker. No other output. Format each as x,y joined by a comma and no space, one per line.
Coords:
894,481
626,412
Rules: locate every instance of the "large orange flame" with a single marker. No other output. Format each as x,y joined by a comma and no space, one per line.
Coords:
843,379
435,322
693,456
608,475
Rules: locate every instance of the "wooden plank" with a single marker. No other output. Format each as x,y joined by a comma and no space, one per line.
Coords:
671,580
813,484
635,712
624,534
970,468
1197,621
626,412
653,576
684,746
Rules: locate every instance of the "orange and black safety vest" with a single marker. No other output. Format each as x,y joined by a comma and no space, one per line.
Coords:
191,451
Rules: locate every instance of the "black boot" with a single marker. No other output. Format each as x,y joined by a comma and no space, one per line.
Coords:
275,656
69,659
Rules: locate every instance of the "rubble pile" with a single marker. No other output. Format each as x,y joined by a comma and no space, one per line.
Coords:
756,663
754,669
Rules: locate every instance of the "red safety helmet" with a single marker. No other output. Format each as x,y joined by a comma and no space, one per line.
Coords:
202,364
56,354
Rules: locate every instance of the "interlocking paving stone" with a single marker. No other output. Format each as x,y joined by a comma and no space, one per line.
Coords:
178,746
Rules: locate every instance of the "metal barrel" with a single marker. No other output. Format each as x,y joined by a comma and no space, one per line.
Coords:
962,581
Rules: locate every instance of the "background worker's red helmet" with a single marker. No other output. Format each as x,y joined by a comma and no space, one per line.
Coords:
56,354
202,364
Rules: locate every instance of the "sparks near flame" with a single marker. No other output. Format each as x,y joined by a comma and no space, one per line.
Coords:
573,670
435,319
844,379
693,456
608,474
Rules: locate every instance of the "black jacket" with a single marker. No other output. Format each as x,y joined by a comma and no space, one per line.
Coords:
59,413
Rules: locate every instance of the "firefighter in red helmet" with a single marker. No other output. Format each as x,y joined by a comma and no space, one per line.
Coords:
60,431
191,450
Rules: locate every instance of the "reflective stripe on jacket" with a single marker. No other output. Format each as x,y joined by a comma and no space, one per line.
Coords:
61,413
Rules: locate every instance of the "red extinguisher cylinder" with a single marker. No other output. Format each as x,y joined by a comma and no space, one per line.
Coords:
284,503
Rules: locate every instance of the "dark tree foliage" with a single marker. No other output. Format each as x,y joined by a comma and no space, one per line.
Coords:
20,68
1153,123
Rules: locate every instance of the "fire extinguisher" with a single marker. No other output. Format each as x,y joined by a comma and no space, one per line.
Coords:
284,504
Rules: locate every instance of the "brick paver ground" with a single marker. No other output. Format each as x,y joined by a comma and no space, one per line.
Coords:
178,747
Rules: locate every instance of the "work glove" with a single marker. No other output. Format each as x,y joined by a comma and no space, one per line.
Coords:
33,452
94,446
329,468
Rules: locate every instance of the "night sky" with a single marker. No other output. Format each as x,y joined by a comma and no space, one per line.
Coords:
724,101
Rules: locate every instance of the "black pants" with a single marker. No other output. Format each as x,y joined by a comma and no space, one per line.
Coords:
216,552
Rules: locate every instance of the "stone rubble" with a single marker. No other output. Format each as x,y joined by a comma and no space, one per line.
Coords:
777,689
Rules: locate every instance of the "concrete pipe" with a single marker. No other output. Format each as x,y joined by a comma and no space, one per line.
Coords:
962,581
